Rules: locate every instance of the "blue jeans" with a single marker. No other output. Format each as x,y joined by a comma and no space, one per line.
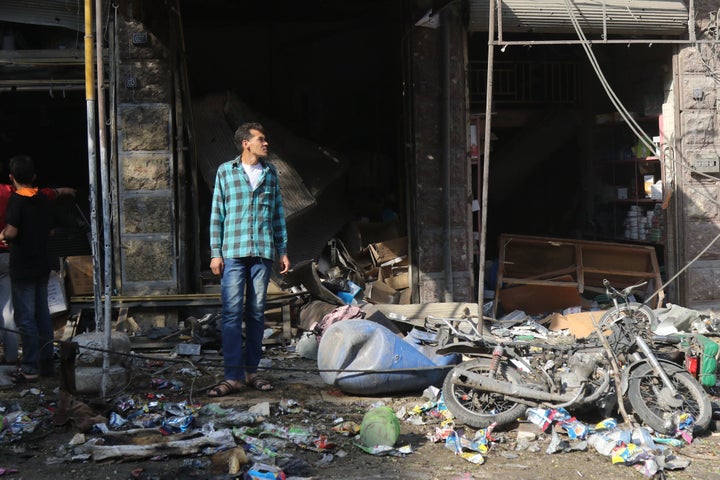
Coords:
244,293
32,315
10,339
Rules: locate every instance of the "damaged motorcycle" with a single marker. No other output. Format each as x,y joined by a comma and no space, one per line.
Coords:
502,378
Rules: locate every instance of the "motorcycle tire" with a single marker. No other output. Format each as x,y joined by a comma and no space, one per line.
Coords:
638,311
644,393
479,409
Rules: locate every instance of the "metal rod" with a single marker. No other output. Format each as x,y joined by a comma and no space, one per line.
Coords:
631,41
105,198
92,155
499,21
447,181
73,88
691,21
655,364
486,162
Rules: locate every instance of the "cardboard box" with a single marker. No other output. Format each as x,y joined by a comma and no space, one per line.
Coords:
57,302
399,281
405,296
580,324
380,292
79,271
396,276
388,250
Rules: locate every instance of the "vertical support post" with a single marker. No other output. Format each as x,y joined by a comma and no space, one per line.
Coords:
446,158
92,158
105,198
691,21
486,159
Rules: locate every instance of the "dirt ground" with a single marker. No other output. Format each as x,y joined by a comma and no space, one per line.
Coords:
300,399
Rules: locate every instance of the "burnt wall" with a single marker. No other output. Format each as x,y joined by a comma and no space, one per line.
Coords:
145,211
432,204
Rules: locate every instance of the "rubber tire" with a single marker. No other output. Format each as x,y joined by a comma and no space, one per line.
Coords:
639,309
468,414
695,399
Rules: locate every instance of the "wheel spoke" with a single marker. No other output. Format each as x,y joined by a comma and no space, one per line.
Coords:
651,386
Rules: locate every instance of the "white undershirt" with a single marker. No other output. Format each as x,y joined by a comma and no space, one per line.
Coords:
253,172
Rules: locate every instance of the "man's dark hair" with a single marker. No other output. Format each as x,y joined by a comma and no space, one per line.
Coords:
22,168
243,132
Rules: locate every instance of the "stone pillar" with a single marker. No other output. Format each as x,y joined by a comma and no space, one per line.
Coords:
427,194
145,216
697,144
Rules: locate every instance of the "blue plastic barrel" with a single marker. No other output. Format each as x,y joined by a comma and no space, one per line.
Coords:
376,351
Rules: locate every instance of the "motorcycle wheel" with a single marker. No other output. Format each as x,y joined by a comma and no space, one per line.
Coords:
478,408
644,394
638,311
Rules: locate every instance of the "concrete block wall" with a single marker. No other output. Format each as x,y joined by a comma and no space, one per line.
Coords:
145,216
698,136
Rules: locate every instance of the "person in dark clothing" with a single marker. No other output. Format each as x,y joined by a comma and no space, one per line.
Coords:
27,230
10,337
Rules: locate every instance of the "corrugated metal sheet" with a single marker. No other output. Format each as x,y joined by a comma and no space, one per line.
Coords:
214,142
628,17
56,13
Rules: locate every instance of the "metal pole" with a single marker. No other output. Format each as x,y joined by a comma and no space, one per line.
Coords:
629,41
486,161
691,21
92,167
105,184
446,113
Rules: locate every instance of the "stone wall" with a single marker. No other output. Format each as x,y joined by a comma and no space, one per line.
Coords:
697,137
145,215
427,193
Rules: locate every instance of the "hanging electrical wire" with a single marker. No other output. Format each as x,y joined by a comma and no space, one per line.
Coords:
634,126
587,47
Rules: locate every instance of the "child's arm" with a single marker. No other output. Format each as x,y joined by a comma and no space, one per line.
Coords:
54,193
8,233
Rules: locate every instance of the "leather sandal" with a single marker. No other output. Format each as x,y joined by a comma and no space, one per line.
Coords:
260,384
20,377
222,389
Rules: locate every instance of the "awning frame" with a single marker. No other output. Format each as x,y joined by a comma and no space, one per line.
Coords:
501,42
498,41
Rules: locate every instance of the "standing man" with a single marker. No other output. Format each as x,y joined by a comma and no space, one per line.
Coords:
247,230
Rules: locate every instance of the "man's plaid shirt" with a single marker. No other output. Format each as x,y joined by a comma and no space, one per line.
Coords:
246,222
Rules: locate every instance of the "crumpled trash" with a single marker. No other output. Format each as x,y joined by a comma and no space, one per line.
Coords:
77,413
263,471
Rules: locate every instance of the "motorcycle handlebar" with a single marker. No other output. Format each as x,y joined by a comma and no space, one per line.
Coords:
613,292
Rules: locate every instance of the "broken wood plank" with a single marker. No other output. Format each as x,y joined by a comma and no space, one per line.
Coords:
221,438
423,310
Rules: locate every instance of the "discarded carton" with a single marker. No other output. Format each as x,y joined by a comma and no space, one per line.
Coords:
380,292
57,302
579,324
80,274
397,275
386,251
